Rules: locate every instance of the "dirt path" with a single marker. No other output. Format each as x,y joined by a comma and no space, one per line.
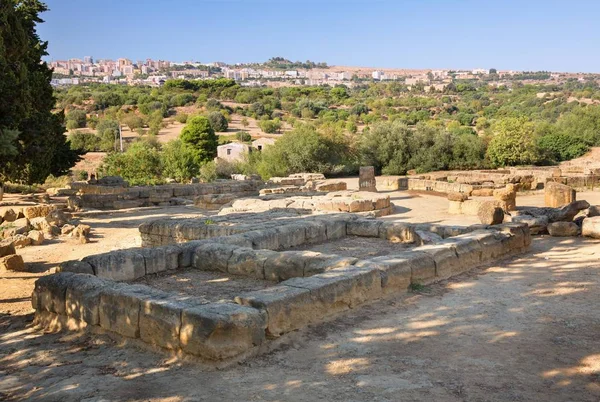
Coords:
521,330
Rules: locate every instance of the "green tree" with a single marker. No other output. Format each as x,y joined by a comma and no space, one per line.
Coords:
270,126
108,131
76,119
133,121
513,143
27,100
217,121
200,136
178,161
84,142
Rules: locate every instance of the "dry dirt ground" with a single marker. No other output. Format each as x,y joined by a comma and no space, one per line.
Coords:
522,329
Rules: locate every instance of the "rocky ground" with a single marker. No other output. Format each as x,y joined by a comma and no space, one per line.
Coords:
521,329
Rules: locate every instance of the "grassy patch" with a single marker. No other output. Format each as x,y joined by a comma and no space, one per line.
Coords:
418,288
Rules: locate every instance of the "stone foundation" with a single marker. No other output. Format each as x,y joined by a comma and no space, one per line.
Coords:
312,286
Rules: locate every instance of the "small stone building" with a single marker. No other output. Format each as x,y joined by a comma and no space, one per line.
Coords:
261,143
233,151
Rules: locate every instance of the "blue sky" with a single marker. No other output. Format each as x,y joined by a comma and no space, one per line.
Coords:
504,34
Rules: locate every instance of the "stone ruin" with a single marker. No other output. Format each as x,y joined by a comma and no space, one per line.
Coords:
299,286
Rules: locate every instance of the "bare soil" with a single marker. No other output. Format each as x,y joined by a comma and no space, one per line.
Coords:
358,247
206,286
521,329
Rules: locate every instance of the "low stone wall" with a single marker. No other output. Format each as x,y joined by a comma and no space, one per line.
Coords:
580,182
439,186
226,330
206,195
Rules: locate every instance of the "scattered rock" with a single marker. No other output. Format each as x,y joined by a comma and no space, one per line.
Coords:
426,237
7,248
57,217
537,224
37,237
490,214
12,262
591,227
67,229
593,210
563,229
507,196
8,215
80,234
456,196
37,211
20,241
564,214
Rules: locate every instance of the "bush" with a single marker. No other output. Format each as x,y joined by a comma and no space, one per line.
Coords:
200,136
133,121
178,161
208,172
243,136
270,126
108,131
76,119
560,146
181,118
217,121
513,143
84,142
80,175
140,164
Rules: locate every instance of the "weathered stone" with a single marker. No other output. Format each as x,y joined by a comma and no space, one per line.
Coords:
318,263
490,214
537,224
36,236
121,265
7,248
160,322
593,210
213,256
331,186
288,308
556,194
284,265
507,196
335,227
12,262
364,228
8,214
20,241
563,229
82,298
591,227
219,331
19,226
425,237
49,292
290,236
75,266
37,211
397,232
249,262
564,214
456,196
119,308
57,217
339,289
366,179
446,260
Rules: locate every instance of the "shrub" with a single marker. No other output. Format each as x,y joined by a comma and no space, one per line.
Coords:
217,121
140,164
208,172
270,126
108,131
76,119
513,143
84,142
178,161
181,118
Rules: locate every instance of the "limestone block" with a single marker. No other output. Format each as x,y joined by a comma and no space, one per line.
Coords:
445,257
37,237
160,321
249,262
290,236
397,232
335,227
364,227
468,250
121,265
264,239
75,266
12,262
456,196
82,298
49,292
316,231
213,256
7,248
219,331
491,243
187,251
563,229
366,179
8,214
424,237
557,195
591,227
37,211
536,224
318,263
287,308
395,272
490,214
284,265
119,308
339,289
20,241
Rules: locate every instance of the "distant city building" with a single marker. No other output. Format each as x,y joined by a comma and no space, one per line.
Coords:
377,75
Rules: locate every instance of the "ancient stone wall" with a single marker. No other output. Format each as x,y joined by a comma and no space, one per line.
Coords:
205,195
310,288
